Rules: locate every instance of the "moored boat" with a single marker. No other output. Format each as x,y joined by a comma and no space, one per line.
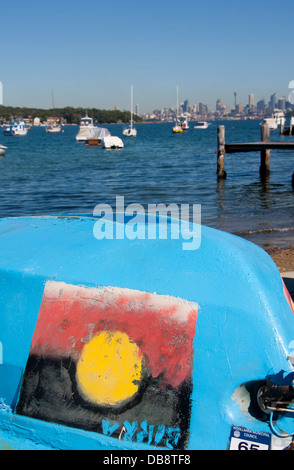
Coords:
183,122
177,128
53,128
53,124
130,131
112,142
96,135
86,123
277,119
2,150
16,129
201,125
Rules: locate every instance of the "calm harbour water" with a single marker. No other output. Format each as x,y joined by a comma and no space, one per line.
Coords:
45,174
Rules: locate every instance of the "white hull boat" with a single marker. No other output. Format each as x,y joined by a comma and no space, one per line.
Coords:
271,122
201,125
130,131
2,150
16,129
177,129
183,121
96,135
53,129
112,142
86,124
277,119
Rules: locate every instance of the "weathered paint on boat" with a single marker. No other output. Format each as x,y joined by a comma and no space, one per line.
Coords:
134,344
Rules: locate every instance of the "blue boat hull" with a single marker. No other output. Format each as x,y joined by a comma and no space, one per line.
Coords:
135,343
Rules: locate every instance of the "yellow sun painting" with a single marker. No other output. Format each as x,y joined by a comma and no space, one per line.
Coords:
109,369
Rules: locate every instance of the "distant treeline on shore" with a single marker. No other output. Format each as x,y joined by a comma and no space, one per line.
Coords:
68,114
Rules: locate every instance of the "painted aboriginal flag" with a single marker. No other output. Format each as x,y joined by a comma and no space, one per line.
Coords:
114,361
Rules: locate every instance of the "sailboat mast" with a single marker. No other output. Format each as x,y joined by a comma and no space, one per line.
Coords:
177,102
52,96
131,106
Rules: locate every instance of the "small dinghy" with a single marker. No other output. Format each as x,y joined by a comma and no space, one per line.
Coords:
199,321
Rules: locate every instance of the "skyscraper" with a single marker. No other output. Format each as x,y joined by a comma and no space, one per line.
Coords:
251,100
282,103
273,101
219,104
261,106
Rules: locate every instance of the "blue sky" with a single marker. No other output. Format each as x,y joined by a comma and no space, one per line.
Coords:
90,53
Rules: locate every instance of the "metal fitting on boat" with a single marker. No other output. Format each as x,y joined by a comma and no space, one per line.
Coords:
275,398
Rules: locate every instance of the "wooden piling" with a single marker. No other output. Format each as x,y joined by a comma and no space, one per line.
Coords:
264,147
286,130
264,169
221,150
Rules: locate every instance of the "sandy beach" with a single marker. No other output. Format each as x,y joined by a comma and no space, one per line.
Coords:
283,257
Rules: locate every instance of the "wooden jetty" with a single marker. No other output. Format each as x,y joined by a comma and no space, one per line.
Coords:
287,130
264,147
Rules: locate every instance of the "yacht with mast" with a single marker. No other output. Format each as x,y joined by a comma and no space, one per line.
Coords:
130,131
53,123
177,129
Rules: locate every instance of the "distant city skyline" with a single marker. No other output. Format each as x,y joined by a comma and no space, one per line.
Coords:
90,55
274,101
251,101
250,110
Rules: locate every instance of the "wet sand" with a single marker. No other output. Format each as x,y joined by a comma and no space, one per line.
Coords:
283,257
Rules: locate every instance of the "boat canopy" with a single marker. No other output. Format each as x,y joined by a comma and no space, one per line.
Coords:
97,133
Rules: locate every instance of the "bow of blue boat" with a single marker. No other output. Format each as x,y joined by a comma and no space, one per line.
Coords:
138,343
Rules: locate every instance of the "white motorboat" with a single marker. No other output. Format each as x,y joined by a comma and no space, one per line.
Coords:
279,116
16,129
130,131
86,123
277,119
112,142
271,122
183,121
202,125
2,150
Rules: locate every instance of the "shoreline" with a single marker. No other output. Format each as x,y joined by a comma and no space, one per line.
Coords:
278,244
283,258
